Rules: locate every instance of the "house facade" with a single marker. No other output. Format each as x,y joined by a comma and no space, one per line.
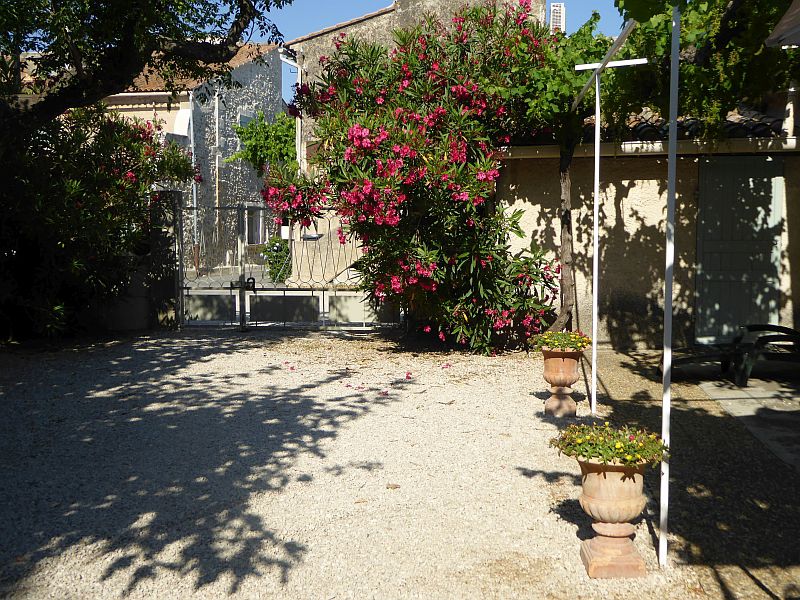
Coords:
738,213
203,117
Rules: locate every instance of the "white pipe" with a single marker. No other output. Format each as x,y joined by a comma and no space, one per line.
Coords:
626,31
216,147
614,63
194,162
596,238
668,274
298,131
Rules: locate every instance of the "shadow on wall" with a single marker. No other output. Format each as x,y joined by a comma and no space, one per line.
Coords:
632,243
632,240
791,252
154,464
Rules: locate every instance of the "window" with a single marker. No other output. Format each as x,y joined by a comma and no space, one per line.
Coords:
256,229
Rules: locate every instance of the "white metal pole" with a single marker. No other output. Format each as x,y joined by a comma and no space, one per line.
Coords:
615,46
216,147
596,251
298,130
194,162
668,273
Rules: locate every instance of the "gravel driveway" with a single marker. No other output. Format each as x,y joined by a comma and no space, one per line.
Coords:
303,465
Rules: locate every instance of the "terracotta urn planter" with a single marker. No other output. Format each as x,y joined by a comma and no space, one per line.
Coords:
561,372
613,496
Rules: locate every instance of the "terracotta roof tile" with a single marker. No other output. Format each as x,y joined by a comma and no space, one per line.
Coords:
151,81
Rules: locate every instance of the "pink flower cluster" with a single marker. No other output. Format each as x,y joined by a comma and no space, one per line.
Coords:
501,319
489,175
301,204
458,150
532,324
367,202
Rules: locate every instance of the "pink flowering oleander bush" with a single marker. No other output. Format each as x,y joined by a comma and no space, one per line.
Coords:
407,157
80,217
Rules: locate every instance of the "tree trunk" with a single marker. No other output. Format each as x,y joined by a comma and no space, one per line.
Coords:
564,319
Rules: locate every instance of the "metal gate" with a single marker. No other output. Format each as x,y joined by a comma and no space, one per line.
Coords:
238,265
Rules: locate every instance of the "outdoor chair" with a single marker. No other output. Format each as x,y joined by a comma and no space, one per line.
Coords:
751,343
760,341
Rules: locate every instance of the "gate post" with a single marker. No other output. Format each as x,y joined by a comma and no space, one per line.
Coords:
241,225
177,224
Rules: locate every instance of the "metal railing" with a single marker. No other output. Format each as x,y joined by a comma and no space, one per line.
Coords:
231,243
243,250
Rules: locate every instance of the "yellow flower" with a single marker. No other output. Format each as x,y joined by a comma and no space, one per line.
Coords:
579,440
618,445
628,457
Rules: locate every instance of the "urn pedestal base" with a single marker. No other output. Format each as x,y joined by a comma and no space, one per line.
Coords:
560,404
608,557
613,496
561,372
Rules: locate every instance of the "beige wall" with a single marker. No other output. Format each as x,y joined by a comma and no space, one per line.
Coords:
790,245
148,109
632,239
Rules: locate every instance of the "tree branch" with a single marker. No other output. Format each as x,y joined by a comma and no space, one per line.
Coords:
700,56
114,71
214,52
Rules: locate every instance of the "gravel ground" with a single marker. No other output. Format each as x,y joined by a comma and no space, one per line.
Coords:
320,465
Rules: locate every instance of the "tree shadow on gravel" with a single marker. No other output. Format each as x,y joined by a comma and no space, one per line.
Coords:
151,469
733,504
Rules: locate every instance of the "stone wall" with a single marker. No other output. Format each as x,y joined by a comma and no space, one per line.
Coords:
632,239
260,90
378,29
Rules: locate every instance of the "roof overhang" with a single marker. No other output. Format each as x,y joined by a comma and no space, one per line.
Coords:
787,31
659,148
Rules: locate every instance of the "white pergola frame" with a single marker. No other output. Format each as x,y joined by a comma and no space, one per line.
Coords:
598,67
670,242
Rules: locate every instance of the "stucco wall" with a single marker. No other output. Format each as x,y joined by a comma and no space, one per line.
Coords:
148,111
632,239
260,90
790,245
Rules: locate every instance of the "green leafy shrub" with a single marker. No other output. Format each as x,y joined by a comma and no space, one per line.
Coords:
625,445
267,145
276,257
79,217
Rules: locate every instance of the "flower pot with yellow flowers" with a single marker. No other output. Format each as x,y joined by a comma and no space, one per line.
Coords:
562,351
613,463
